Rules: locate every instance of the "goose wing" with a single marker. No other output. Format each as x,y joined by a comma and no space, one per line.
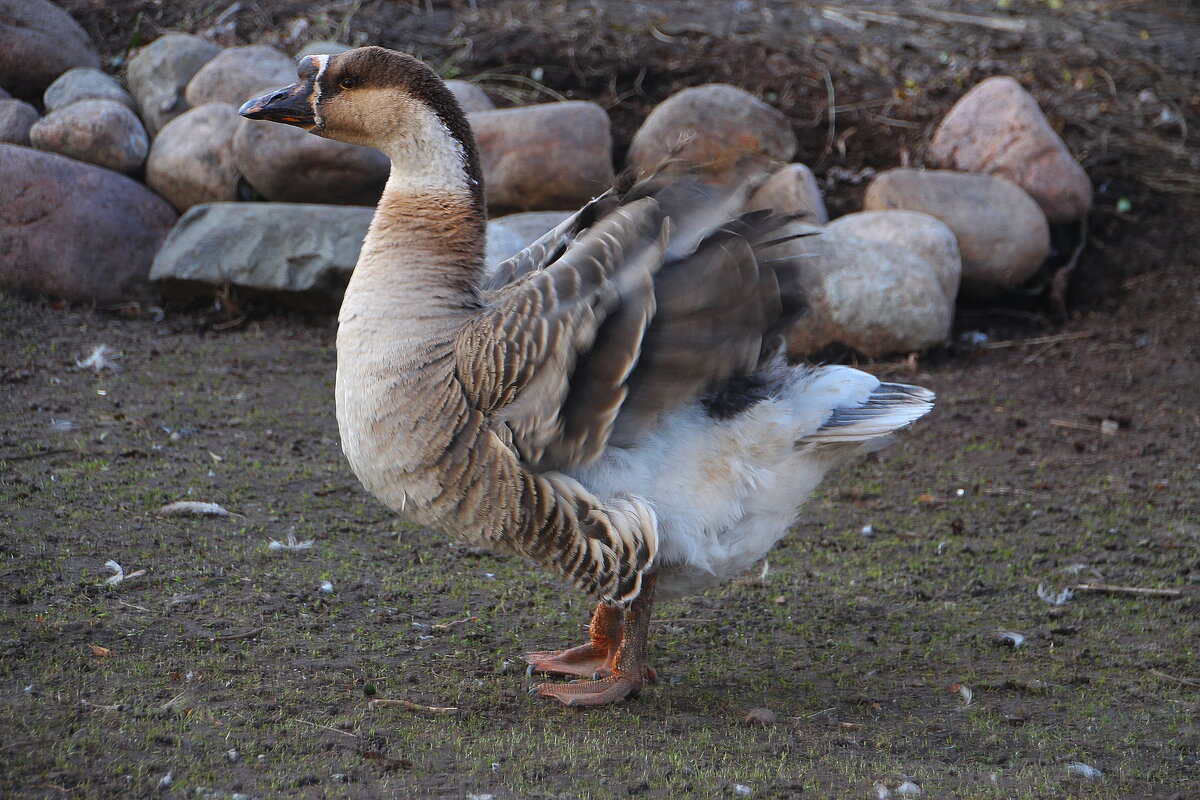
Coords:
627,310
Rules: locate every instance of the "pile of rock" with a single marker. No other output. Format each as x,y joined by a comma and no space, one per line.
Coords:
101,173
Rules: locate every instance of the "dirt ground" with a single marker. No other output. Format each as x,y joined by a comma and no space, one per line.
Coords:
1062,452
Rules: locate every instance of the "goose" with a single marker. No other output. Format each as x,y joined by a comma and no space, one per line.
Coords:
611,403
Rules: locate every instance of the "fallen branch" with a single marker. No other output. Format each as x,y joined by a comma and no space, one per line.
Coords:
1112,589
445,626
233,637
411,706
1052,339
1184,681
326,727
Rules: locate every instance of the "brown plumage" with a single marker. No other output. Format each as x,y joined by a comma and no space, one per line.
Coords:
492,405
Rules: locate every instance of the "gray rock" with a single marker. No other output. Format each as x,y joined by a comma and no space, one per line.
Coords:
322,47
102,132
873,297
1002,234
85,83
791,189
16,118
470,96
998,129
722,128
513,233
192,161
38,42
919,233
4,95
76,231
554,155
288,165
294,248
238,74
159,73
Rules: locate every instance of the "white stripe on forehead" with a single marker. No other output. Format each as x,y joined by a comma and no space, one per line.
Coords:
323,61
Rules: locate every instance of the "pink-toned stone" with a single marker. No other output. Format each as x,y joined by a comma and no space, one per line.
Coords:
919,233
471,97
76,231
159,73
288,165
541,157
192,159
998,129
237,74
1002,234
38,42
721,128
791,189
873,297
102,132
16,118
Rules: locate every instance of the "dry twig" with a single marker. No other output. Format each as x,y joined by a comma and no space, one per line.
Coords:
411,706
1112,589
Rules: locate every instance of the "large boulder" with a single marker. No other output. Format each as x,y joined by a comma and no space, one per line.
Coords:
1002,234
548,156
283,249
791,189
102,132
85,83
76,231
511,234
722,129
16,118
470,96
192,161
872,297
288,165
238,74
927,236
998,129
159,73
38,42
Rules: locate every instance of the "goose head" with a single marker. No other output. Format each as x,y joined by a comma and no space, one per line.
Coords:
386,100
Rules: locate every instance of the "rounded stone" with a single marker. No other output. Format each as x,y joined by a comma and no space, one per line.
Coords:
322,47
76,231
471,97
872,297
238,74
547,156
720,128
509,235
16,118
919,233
85,83
1002,234
998,129
288,165
101,132
159,73
192,160
38,42
792,189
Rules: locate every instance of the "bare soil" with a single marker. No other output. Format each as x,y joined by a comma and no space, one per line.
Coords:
1062,452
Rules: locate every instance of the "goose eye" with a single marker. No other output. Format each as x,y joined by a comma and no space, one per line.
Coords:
348,83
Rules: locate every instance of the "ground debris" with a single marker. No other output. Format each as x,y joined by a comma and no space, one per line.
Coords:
1011,638
1060,599
119,574
195,509
1084,770
411,706
102,357
290,545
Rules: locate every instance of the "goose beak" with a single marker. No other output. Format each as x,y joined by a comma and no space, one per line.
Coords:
291,105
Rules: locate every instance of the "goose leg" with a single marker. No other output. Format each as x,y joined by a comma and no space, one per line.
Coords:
594,659
629,669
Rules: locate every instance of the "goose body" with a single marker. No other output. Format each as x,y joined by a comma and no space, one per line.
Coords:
610,402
